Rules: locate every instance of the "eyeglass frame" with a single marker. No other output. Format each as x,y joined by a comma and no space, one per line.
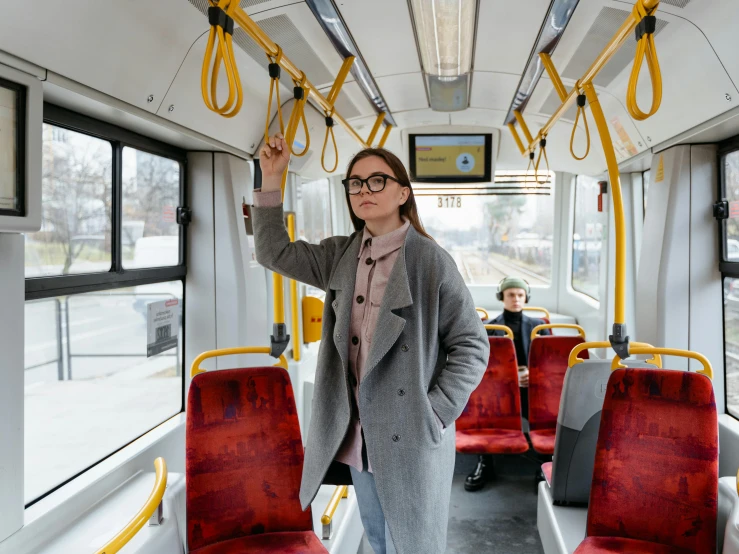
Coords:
363,182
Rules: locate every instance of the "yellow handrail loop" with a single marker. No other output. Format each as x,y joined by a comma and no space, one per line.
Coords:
535,330
195,368
274,85
707,368
532,155
581,100
645,47
298,116
507,330
484,312
222,26
143,515
542,151
330,130
575,359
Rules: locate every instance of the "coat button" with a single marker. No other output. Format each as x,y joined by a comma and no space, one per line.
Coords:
396,438
338,336
405,348
360,299
401,392
369,261
355,341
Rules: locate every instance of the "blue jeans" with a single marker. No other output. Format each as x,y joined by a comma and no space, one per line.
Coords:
370,511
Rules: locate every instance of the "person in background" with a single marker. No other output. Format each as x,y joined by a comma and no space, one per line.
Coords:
514,292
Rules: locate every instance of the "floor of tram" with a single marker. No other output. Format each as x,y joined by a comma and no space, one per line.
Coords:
499,519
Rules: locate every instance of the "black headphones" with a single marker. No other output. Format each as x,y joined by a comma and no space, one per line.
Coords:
499,293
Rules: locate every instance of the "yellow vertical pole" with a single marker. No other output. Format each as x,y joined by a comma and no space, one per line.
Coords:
294,296
516,138
339,82
385,135
554,76
618,205
376,128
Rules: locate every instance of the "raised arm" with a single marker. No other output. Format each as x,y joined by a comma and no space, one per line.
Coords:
308,263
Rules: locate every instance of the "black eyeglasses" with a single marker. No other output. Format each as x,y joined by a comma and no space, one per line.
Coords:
375,183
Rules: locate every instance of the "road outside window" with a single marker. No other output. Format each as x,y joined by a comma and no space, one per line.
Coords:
589,237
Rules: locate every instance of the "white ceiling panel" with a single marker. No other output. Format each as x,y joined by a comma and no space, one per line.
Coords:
424,116
478,116
506,32
383,32
403,92
128,50
493,91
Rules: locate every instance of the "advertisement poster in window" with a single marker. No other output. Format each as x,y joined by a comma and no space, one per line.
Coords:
162,326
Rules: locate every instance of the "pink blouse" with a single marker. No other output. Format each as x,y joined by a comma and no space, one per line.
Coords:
377,256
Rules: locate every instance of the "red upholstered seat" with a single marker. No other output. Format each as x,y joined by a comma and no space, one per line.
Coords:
491,421
546,469
304,542
656,465
606,545
244,460
547,367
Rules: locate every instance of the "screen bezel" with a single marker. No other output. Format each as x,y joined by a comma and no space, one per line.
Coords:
485,178
20,148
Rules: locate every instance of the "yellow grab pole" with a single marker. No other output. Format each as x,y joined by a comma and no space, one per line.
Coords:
516,138
269,46
618,205
624,32
385,135
378,122
553,75
339,82
523,125
294,296
278,298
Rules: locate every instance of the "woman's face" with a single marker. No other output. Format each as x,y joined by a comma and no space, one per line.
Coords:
376,206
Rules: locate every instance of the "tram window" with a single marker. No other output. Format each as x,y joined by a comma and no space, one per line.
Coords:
589,235
492,236
731,193
151,193
90,388
314,211
646,181
77,183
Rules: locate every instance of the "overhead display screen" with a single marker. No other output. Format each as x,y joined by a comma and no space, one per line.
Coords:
450,158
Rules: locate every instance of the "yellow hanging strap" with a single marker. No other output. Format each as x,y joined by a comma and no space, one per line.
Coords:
298,115
542,151
532,156
645,47
274,85
330,130
581,98
221,29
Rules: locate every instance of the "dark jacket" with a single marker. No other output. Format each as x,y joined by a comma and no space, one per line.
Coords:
527,325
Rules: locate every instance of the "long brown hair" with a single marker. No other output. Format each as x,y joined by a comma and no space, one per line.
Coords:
409,209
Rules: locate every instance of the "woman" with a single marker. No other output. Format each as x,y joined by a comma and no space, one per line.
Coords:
399,320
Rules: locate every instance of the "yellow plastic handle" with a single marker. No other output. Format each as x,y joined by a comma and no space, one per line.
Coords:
195,368
535,309
483,311
143,515
503,328
574,358
538,328
707,368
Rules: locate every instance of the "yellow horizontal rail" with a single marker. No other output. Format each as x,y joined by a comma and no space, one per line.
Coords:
195,368
270,48
707,368
143,515
483,311
342,491
504,328
535,330
535,309
575,359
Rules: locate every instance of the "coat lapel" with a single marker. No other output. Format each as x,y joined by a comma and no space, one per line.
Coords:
397,295
342,282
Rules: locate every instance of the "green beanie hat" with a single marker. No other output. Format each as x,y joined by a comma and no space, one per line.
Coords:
514,283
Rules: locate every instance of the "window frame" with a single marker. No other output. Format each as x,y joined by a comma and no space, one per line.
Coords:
572,243
39,288
21,111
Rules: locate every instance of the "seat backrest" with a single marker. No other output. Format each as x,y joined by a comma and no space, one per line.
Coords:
496,402
244,456
548,357
656,463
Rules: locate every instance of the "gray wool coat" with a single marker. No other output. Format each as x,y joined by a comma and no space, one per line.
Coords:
429,352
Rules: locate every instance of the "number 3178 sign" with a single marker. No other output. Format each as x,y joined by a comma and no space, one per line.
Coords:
163,324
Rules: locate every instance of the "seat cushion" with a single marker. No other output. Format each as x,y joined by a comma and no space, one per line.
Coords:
543,440
301,542
491,441
546,469
604,545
